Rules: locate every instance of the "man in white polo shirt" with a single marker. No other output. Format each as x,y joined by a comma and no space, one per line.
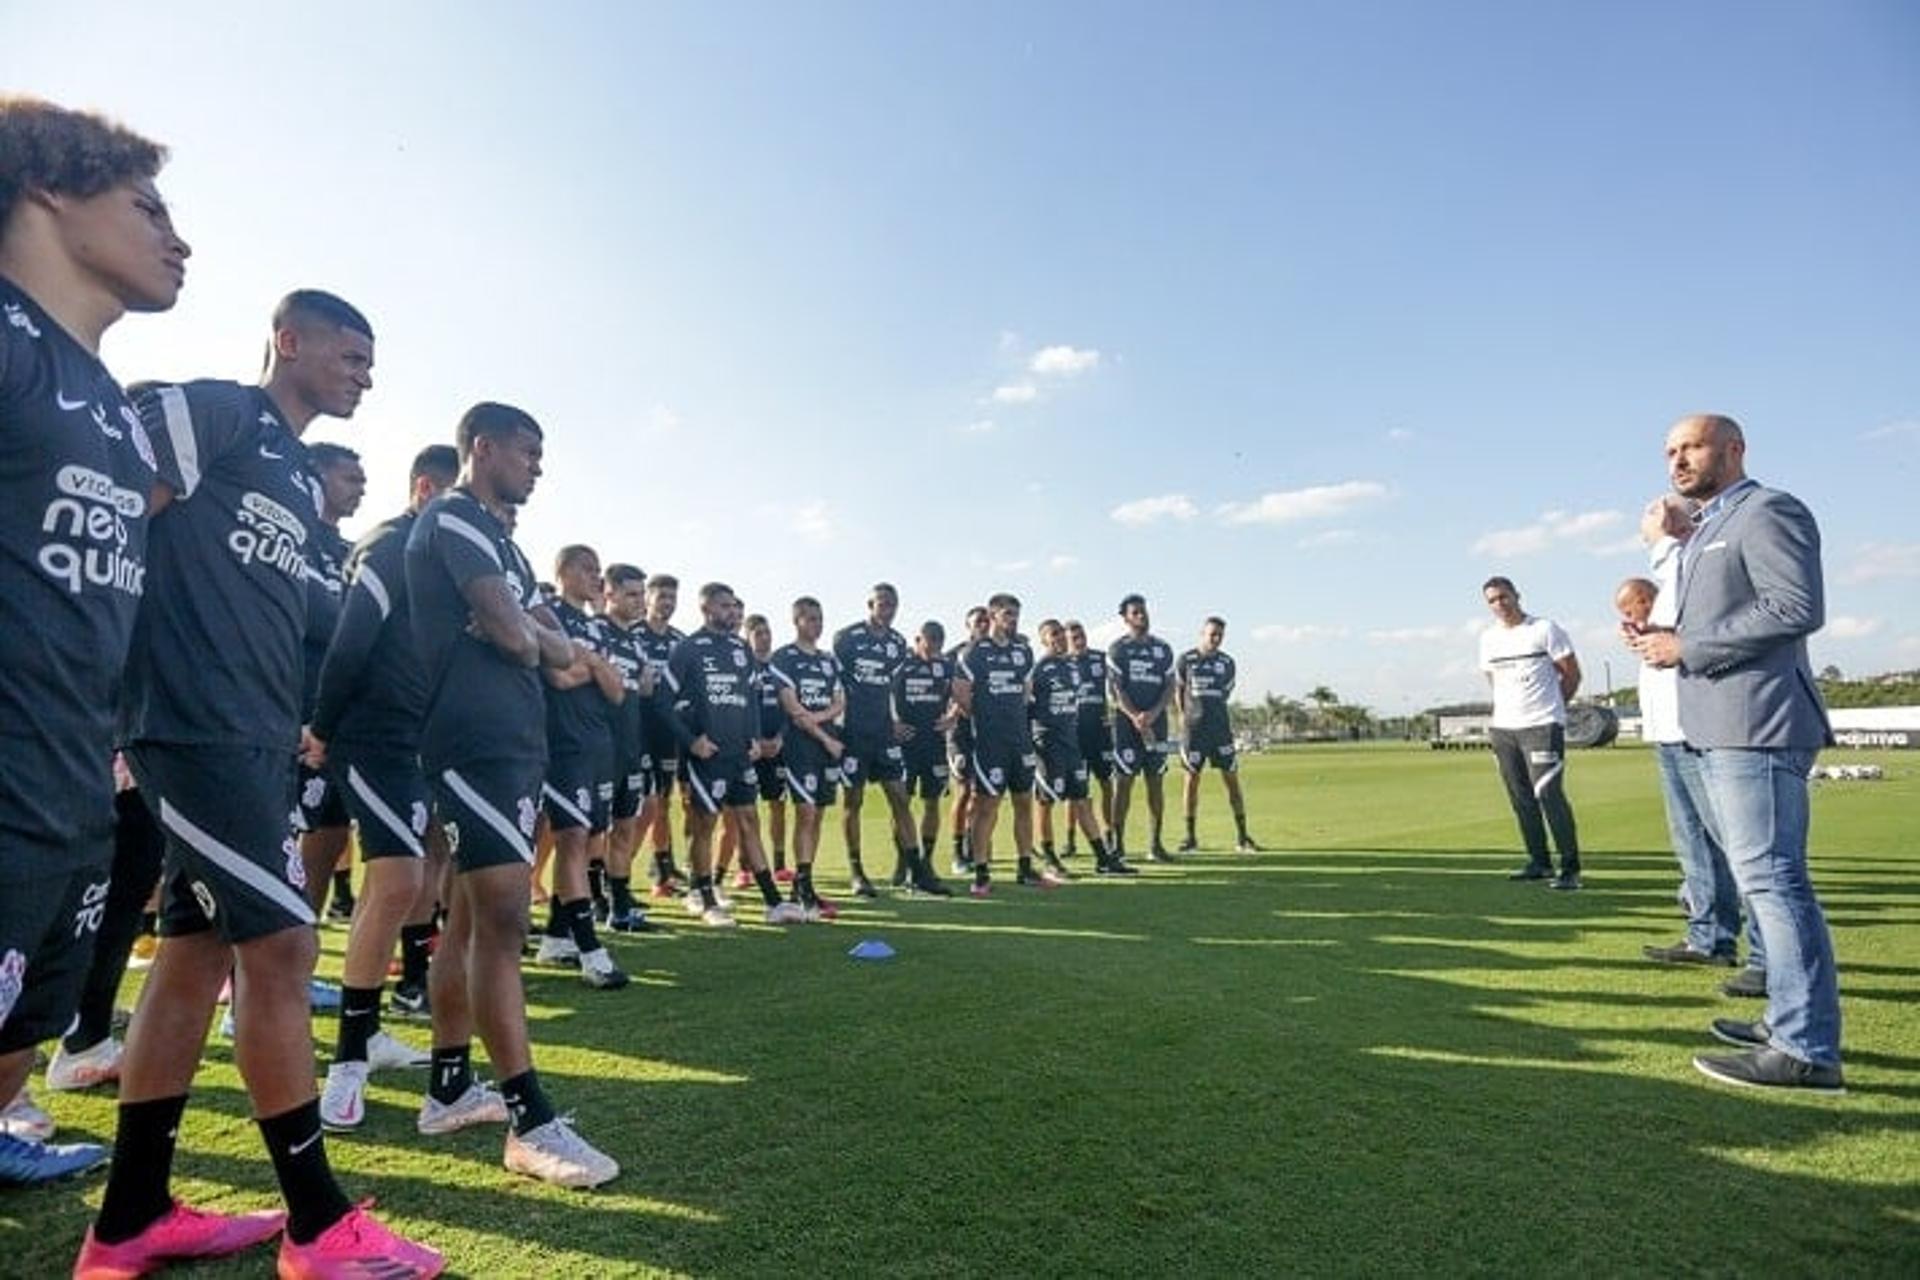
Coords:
1708,892
1530,666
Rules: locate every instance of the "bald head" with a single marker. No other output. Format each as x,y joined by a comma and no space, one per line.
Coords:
1706,455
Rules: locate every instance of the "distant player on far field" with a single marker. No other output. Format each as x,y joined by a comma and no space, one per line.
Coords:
1203,683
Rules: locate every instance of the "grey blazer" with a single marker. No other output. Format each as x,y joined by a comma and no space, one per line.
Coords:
1750,595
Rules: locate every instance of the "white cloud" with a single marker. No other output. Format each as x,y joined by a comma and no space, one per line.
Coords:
1411,635
1550,528
1061,562
1168,506
1894,430
1281,633
1620,547
1014,566
1315,502
1015,393
814,521
662,421
1884,560
1326,538
1848,627
1399,435
978,427
1062,362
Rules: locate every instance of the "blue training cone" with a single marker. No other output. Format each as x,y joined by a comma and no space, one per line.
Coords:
871,949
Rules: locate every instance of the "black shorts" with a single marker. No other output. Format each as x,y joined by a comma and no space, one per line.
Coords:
578,791
723,780
1063,771
1096,747
489,808
386,794
663,751
927,772
632,783
1131,755
812,776
960,754
322,807
871,757
47,927
233,861
1209,748
1000,767
770,777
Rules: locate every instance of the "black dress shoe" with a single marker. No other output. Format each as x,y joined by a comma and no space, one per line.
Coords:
1532,871
1681,953
1748,982
1566,881
1770,1069
1747,1035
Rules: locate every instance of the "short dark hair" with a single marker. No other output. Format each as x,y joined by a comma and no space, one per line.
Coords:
1215,620
326,455
1002,600
619,575
1051,624
493,420
711,591
933,631
440,461
663,582
887,587
978,611
319,305
44,147
1129,600
1498,581
572,554
805,602
753,620
1073,624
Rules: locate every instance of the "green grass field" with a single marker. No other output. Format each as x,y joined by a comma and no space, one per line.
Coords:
1363,1053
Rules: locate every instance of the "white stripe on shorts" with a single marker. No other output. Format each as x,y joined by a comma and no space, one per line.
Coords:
488,814
255,877
567,806
371,798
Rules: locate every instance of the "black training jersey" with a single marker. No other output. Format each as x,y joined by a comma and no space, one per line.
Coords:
922,690
715,691
657,647
1208,681
217,654
773,717
867,661
326,596
76,475
814,677
1056,697
1142,669
373,690
481,704
1092,666
579,719
999,674
623,651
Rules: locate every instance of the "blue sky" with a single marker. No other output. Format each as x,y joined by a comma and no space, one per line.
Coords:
1309,315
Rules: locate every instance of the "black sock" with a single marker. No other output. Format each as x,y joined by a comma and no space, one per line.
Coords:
662,864
768,889
139,1182
980,873
779,859
1026,864
803,885
556,917
343,887
359,1019
960,848
854,869
452,1074
1240,822
1190,830
416,949
703,885
580,913
149,922
314,1200
621,889
1046,848
1070,842
526,1102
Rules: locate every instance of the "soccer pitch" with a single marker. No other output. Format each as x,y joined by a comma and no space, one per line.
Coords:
1363,1052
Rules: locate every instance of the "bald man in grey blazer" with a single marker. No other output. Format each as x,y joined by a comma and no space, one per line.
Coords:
1750,594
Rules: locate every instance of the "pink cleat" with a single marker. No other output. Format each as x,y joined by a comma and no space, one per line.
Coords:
981,889
783,876
180,1235
358,1246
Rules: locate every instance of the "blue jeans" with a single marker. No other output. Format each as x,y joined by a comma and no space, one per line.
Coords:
1710,895
1758,801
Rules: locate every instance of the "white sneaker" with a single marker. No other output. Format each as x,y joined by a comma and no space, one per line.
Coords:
84,1070
717,918
787,913
226,1024
480,1104
720,899
557,951
23,1120
693,903
555,1153
384,1053
598,970
343,1099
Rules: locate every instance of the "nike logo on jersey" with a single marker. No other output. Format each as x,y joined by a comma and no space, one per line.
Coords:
268,453
66,405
